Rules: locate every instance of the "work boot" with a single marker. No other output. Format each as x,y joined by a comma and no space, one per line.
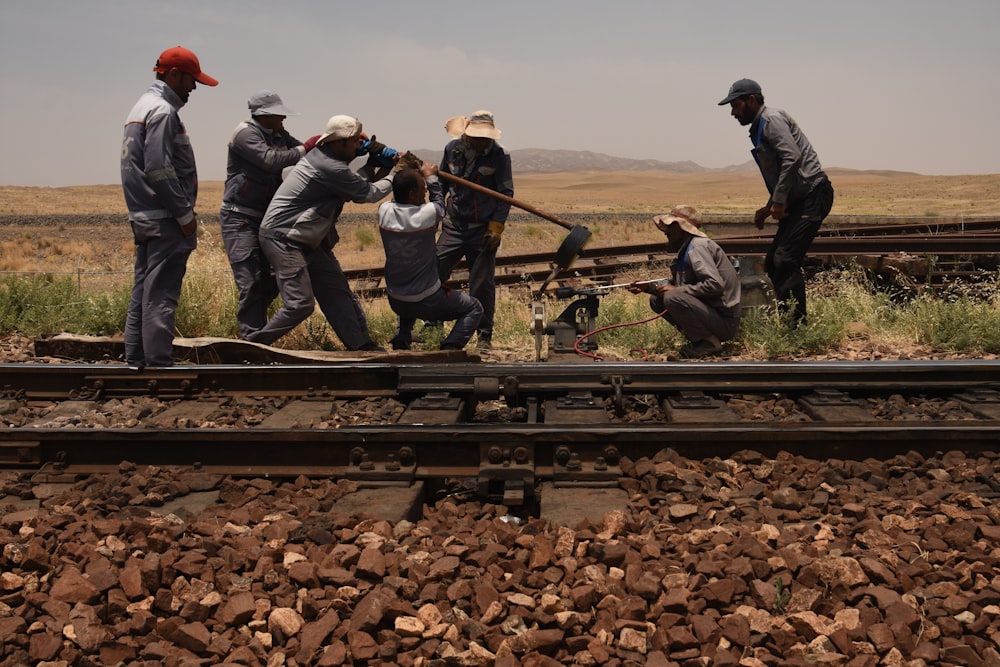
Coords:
707,347
484,341
371,346
399,344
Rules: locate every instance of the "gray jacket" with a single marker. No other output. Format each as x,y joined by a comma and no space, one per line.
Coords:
253,169
703,270
408,237
159,177
309,201
787,161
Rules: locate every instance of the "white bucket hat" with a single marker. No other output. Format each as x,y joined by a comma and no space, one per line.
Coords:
688,217
268,103
479,124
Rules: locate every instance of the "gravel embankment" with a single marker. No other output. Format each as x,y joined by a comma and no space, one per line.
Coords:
747,561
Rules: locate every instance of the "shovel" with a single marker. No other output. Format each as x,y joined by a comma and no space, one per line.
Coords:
571,246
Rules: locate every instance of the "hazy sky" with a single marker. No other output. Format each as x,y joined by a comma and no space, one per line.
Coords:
907,85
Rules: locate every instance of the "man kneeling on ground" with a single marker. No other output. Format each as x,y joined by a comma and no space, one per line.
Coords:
702,296
408,225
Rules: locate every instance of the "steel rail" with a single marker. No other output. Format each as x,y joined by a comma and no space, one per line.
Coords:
441,451
371,379
516,266
934,244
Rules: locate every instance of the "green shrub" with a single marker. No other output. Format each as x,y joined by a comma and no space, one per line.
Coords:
207,306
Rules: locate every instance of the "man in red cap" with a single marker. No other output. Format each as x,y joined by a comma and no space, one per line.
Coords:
160,182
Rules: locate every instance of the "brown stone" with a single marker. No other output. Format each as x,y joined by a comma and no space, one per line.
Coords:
71,586
362,645
238,609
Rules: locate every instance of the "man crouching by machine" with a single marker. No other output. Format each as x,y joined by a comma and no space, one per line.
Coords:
702,296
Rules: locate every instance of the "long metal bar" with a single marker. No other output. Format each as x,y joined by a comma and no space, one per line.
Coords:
502,197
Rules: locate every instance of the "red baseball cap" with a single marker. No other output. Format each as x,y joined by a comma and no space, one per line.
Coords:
186,61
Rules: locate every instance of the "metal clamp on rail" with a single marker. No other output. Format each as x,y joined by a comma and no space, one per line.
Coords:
167,386
382,464
506,473
586,466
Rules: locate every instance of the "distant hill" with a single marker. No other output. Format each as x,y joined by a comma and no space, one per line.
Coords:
543,160
540,160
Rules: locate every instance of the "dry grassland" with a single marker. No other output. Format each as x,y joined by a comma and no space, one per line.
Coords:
858,193
107,246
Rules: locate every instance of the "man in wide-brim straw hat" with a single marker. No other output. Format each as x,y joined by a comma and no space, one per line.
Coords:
702,296
475,220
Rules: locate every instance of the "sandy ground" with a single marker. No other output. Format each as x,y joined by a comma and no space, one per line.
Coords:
858,193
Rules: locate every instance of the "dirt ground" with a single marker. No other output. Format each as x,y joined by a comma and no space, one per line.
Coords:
87,230
858,193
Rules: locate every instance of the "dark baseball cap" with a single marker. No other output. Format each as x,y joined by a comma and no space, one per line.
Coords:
741,88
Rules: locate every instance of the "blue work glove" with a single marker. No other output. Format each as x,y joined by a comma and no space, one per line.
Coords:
363,147
380,154
383,154
384,157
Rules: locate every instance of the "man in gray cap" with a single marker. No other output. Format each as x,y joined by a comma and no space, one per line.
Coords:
801,195
259,149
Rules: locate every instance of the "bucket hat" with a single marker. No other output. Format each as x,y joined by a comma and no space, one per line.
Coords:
268,103
479,124
687,217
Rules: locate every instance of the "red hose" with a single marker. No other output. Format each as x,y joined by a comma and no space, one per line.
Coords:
576,344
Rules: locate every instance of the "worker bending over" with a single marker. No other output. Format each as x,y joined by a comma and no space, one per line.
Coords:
702,296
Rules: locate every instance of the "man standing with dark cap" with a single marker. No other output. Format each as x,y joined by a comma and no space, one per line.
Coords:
259,150
801,194
160,183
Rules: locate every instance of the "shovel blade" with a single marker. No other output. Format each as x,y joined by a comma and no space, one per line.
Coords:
572,246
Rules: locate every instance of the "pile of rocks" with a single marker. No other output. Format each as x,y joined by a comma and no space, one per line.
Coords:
741,561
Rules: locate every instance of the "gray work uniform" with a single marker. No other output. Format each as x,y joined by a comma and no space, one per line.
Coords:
411,271
298,234
256,158
707,299
794,177
160,184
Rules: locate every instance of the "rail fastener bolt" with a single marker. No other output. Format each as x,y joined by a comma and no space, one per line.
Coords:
407,456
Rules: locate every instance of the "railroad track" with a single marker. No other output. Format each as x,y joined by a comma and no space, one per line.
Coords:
958,249
506,426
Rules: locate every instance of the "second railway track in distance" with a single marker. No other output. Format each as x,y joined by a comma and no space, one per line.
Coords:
507,427
959,248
